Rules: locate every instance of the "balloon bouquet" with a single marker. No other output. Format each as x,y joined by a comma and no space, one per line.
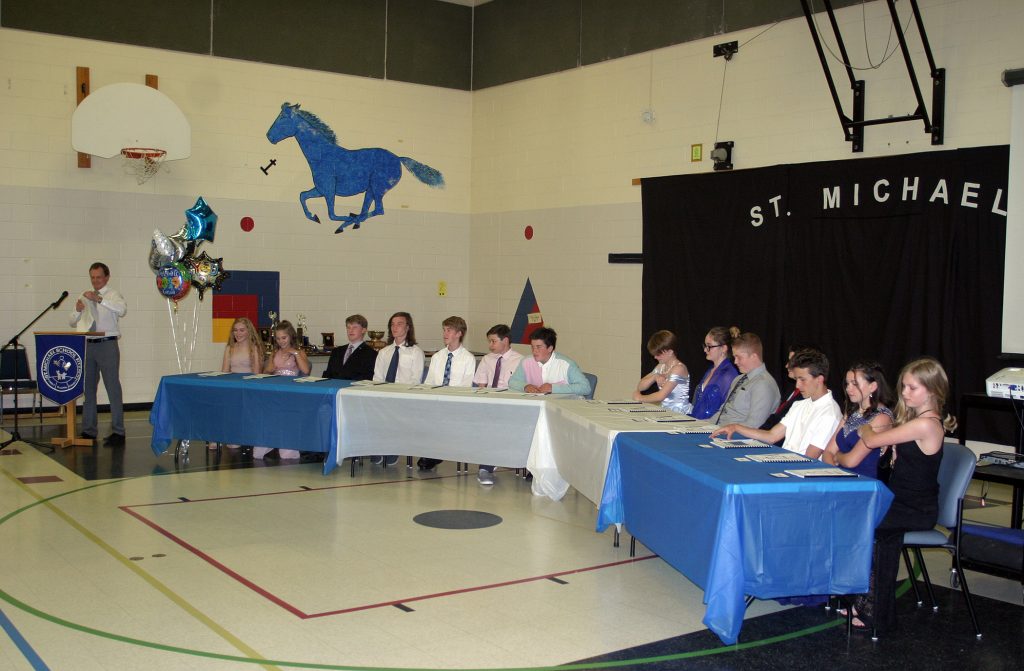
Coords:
178,270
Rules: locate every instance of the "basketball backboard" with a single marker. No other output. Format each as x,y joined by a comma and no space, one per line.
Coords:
130,115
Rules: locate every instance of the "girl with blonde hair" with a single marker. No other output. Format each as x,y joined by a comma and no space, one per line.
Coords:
917,436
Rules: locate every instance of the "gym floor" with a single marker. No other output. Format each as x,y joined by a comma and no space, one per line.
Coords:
114,558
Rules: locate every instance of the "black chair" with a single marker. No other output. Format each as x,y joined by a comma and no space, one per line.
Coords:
954,476
14,364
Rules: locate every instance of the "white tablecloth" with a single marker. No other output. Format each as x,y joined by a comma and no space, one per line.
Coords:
574,447
458,424
564,442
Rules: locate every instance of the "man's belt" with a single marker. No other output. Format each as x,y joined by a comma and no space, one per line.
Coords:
101,339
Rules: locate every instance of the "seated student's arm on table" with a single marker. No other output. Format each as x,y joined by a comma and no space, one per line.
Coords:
820,435
576,383
225,364
270,367
772,435
335,363
518,380
302,361
832,449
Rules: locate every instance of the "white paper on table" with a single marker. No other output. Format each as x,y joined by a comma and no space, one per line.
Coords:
212,373
258,376
310,378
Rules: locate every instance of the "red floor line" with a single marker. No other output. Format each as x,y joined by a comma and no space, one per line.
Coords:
286,491
216,564
304,616
478,588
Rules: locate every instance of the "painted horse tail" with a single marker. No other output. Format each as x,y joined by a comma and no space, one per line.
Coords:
424,173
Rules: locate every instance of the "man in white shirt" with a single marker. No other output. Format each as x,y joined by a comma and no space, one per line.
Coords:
494,370
450,366
810,423
99,310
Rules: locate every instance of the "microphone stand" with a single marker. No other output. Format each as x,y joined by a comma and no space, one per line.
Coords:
14,345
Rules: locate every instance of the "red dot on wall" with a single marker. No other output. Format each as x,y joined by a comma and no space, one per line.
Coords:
247,224
528,233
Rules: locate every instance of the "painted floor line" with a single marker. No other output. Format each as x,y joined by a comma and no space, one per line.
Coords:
299,613
134,567
26,649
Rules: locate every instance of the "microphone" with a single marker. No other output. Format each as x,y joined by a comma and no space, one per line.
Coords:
60,299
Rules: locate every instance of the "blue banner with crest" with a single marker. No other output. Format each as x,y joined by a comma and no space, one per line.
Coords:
60,366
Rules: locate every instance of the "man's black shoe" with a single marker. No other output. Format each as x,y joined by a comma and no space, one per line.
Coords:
87,436
114,440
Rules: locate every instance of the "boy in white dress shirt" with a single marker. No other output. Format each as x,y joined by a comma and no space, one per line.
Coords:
451,366
810,423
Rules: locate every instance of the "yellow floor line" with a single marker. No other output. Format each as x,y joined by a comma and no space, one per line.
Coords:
133,566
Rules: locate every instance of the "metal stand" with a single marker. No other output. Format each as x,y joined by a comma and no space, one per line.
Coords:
13,344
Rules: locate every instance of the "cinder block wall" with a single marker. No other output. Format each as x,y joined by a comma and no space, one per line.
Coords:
557,153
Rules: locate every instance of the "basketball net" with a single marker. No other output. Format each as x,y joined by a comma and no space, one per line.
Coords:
142,162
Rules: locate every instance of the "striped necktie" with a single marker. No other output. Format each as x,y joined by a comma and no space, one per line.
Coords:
447,370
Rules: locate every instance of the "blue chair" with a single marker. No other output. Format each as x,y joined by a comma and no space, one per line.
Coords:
592,379
990,549
954,476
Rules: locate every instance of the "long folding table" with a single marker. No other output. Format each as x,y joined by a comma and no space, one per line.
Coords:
737,530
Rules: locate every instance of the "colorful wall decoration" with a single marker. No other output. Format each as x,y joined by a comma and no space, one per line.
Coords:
247,293
528,316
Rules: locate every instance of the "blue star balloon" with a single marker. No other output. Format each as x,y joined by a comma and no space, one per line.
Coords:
201,222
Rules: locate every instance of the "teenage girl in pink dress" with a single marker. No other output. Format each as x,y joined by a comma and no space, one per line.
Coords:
289,360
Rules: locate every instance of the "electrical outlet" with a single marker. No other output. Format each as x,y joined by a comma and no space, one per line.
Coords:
442,288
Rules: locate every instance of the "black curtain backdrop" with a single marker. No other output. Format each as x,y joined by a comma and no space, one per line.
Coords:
849,255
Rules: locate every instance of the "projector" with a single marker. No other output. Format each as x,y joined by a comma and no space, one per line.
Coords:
1007,383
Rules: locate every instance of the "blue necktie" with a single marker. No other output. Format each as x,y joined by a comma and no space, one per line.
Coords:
447,370
393,367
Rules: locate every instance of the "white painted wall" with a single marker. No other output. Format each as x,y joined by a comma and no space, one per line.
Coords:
56,219
556,152
560,152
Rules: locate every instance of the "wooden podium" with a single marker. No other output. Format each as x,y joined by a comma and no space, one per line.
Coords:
72,341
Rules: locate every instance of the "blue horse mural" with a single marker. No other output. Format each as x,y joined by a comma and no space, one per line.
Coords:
344,172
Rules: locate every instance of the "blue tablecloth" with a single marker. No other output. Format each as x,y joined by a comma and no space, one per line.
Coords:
734,529
266,412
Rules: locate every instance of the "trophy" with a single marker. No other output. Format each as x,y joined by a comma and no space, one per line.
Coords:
300,331
376,340
328,340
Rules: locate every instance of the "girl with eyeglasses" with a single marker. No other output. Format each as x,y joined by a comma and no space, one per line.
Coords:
710,394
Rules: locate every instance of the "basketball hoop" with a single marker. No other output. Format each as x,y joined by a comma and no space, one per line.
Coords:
142,162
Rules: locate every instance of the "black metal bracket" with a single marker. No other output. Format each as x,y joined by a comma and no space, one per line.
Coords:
626,258
726,49
853,128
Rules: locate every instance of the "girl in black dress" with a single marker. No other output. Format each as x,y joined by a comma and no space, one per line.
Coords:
917,435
